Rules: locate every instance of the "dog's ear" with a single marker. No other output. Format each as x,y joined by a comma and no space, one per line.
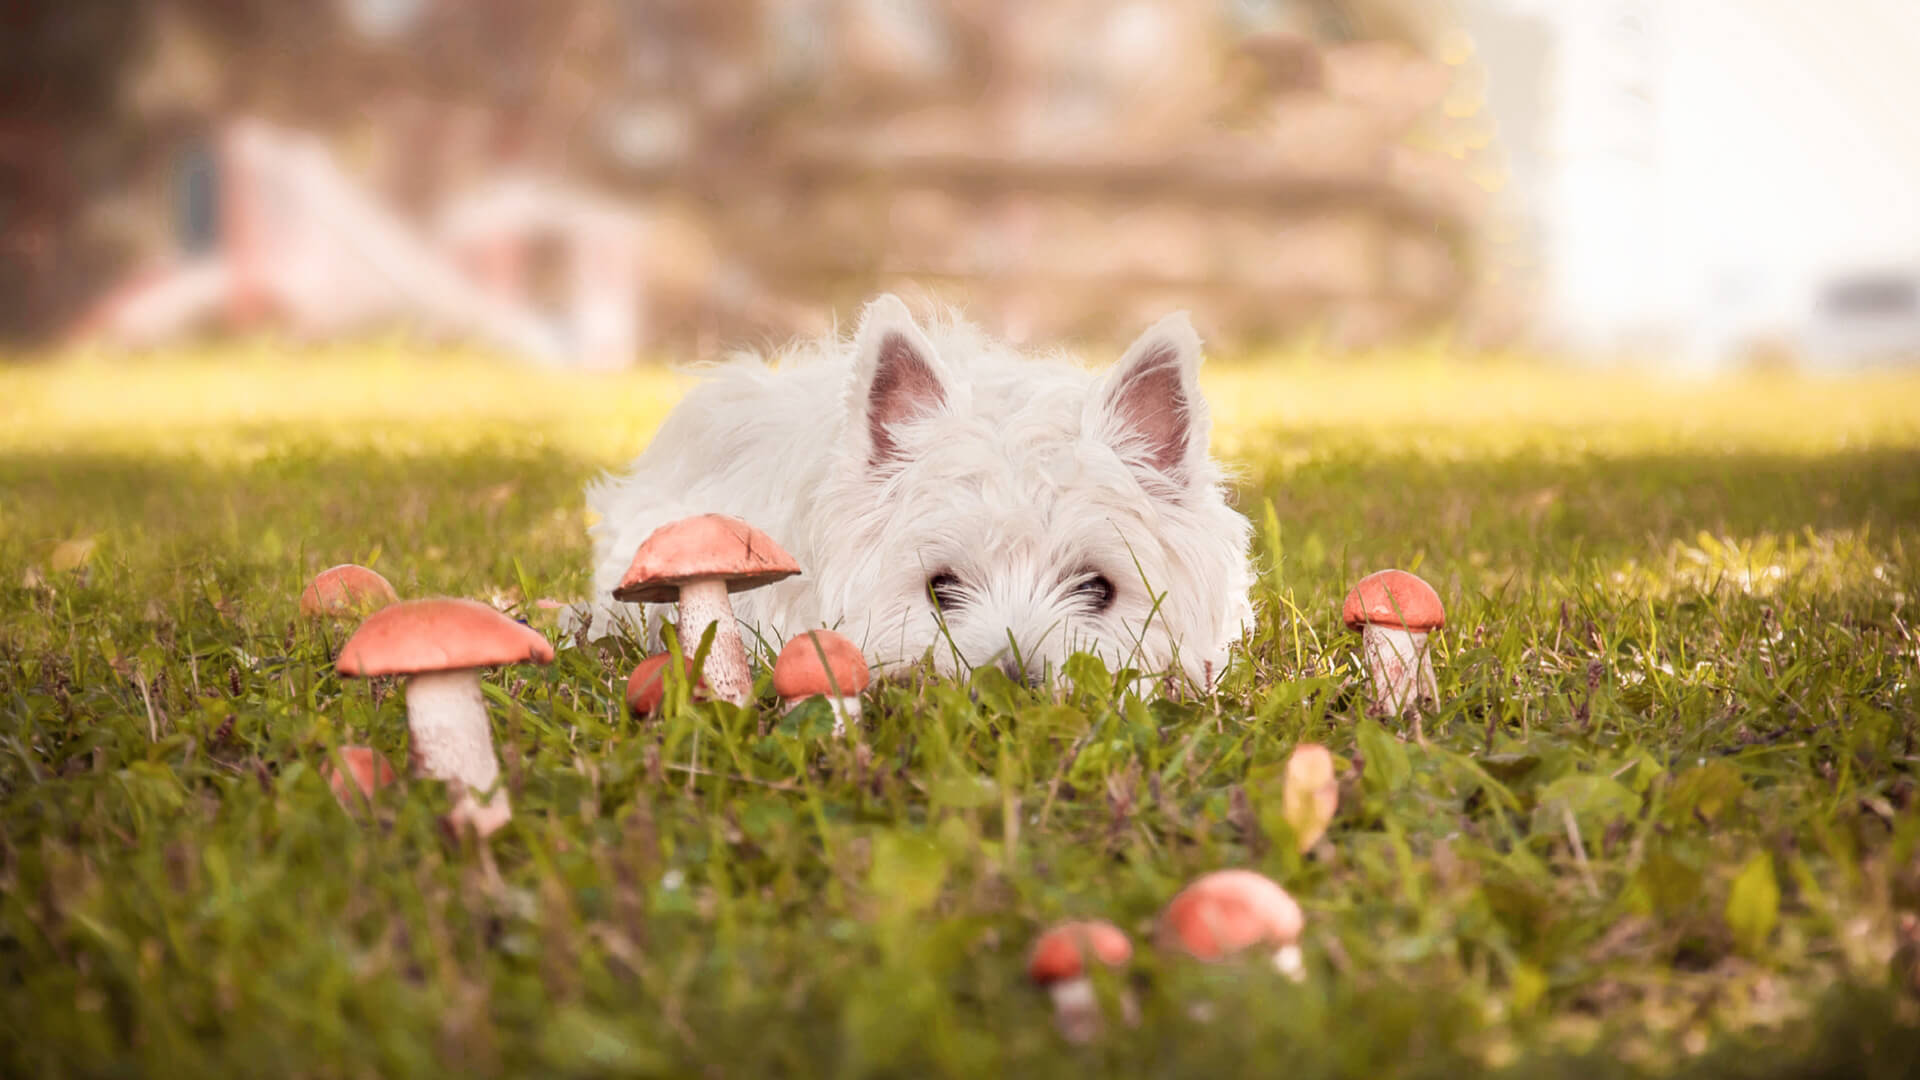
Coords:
897,378
1149,408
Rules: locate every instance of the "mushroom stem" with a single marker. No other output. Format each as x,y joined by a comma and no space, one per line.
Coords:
452,740
1401,668
846,710
1076,1009
846,713
726,671
1288,961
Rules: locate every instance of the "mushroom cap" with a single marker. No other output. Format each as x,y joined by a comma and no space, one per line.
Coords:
365,774
798,674
1312,794
346,590
1062,951
1393,598
438,635
701,549
1227,911
647,686
1310,766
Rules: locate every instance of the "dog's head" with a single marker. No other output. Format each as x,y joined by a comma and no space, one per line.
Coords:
987,511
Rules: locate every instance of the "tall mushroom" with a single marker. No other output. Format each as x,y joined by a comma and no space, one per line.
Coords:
1227,911
440,646
821,662
1394,611
1060,961
695,562
345,590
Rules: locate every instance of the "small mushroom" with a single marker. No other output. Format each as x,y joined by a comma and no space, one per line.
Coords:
1227,911
1312,793
694,563
1060,963
345,590
366,772
647,686
821,662
1394,611
441,645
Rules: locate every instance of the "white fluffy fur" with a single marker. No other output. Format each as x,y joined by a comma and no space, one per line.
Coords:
881,461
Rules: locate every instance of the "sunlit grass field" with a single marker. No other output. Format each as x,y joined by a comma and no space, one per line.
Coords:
1667,822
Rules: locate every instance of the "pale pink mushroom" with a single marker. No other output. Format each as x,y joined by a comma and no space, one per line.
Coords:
799,674
1394,611
365,773
1312,794
346,590
647,686
1227,911
1060,961
694,563
440,646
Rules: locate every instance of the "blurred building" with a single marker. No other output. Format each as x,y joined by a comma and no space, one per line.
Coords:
1069,168
1073,168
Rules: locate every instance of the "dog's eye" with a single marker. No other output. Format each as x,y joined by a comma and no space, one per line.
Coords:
944,587
1096,591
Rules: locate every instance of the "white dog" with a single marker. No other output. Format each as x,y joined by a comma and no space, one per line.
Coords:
947,498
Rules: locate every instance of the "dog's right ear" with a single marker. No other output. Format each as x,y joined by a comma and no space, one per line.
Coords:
897,379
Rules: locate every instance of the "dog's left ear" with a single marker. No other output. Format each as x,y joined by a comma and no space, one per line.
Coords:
1149,408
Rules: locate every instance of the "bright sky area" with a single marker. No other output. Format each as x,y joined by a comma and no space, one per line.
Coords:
1786,146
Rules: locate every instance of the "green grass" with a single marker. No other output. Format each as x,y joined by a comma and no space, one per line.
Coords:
1667,824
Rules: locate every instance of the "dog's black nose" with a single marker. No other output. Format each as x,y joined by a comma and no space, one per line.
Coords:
1021,673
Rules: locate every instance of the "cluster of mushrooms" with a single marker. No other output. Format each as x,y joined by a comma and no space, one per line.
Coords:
441,645
1229,912
1220,915
694,564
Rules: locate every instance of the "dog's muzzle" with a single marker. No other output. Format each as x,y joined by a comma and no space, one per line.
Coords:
1021,674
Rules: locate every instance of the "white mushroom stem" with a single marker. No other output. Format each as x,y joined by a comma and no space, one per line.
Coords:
703,604
453,741
1288,961
1076,1009
846,710
1401,668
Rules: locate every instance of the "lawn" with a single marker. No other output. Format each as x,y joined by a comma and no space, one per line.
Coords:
1667,822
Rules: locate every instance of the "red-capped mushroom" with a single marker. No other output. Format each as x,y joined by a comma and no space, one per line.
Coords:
440,646
1394,611
821,662
1227,911
345,590
1312,793
1060,961
694,563
365,773
647,686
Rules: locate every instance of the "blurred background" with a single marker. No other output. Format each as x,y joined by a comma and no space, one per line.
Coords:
593,183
